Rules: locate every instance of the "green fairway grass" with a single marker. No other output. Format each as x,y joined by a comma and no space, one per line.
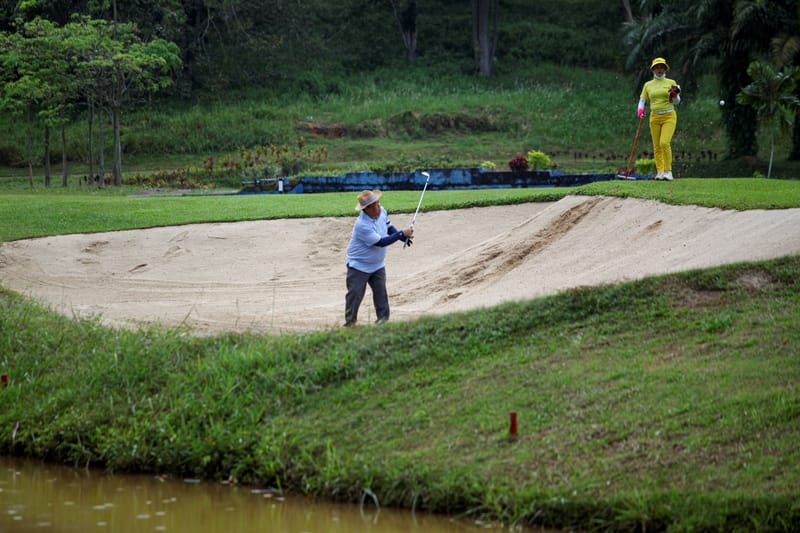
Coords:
25,214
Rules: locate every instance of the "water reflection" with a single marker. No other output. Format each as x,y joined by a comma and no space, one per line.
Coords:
37,496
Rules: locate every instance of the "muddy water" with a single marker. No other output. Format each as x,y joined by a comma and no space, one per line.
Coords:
44,497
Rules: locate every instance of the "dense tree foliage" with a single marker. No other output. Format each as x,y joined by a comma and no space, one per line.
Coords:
49,69
772,95
721,36
236,43
36,64
307,45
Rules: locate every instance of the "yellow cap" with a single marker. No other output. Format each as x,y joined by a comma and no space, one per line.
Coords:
659,61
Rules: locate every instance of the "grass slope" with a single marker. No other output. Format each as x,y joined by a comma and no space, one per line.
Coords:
418,116
665,404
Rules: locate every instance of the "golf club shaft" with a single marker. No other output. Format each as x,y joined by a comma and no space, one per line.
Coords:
421,196
419,204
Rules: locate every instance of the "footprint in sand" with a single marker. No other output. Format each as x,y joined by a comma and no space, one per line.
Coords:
174,251
95,247
180,237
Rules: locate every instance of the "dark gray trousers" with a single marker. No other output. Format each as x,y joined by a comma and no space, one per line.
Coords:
357,282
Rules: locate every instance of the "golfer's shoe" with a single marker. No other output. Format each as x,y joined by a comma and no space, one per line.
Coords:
667,175
659,176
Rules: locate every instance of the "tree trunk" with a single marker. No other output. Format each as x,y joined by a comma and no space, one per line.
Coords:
64,168
29,150
91,140
47,156
626,6
117,168
484,33
117,147
101,171
114,17
407,20
771,149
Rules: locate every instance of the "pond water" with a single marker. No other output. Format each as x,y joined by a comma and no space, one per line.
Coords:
45,497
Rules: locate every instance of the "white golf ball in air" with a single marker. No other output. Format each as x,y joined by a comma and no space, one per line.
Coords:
722,102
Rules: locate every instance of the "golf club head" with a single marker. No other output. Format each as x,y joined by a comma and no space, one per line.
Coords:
426,174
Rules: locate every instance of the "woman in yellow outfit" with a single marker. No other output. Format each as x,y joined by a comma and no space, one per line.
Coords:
662,93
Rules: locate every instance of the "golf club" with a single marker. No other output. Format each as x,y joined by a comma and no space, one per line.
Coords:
421,196
633,150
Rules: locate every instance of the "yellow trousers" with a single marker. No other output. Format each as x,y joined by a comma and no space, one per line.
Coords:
662,128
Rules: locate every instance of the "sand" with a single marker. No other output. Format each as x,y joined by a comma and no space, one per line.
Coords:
283,276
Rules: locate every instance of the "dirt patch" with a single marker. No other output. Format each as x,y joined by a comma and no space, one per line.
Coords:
329,131
686,297
754,280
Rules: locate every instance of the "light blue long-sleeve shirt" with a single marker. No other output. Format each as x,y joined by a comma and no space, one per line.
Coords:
367,249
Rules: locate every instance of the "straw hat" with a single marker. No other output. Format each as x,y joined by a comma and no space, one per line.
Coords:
366,198
659,61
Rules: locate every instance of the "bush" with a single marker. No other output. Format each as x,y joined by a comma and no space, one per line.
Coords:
518,164
251,164
645,166
539,159
409,164
10,155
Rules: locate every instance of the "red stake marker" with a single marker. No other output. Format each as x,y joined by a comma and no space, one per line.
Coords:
4,380
513,428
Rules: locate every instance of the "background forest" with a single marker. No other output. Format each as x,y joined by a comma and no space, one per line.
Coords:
166,60
295,44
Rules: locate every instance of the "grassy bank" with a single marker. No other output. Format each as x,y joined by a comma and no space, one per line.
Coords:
665,404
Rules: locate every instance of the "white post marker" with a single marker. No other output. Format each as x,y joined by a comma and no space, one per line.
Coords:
421,196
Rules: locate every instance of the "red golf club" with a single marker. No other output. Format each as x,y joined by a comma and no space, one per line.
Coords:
633,150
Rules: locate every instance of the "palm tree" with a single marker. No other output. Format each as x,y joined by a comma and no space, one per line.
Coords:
786,51
772,96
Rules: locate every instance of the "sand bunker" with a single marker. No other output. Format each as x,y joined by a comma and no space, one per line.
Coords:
278,276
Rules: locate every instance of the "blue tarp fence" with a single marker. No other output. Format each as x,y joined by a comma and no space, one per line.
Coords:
440,178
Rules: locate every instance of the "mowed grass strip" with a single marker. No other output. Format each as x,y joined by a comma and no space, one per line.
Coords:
26,214
669,403
42,214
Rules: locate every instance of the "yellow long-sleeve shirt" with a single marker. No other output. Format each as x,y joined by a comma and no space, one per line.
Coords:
656,91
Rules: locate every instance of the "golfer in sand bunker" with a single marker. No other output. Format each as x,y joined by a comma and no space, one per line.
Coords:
366,256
